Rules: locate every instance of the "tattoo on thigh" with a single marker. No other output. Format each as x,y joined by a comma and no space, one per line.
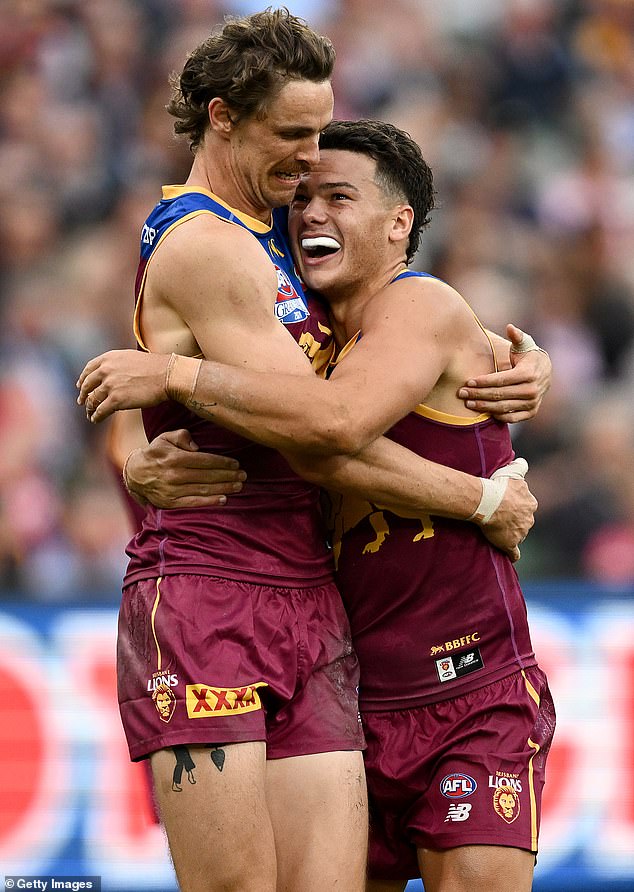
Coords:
184,762
218,757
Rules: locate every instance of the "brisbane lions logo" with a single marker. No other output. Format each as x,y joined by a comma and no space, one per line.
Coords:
165,702
506,803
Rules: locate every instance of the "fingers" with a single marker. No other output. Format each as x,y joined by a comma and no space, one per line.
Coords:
206,487
514,334
500,404
521,342
192,502
180,438
90,366
512,417
495,386
101,410
194,496
200,478
179,450
88,381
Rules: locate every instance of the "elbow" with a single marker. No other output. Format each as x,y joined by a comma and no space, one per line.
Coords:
340,433
316,469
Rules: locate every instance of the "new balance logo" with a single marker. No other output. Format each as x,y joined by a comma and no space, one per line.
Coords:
458,812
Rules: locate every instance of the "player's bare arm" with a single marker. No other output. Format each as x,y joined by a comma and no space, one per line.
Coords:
387,374
222,303
387,471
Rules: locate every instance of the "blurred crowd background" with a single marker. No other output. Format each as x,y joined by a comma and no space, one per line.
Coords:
525,110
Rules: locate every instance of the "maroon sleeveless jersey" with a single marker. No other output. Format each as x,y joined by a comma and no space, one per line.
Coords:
435,610
272,532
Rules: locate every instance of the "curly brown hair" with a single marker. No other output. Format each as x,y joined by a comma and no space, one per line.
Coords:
246,63
401,170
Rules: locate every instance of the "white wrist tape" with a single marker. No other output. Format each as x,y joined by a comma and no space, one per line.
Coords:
493,489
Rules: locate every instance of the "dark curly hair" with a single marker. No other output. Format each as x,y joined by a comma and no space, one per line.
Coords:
246,63
401,170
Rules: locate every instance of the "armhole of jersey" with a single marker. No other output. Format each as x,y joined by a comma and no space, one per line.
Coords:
406,273
136,321
427,411
496,368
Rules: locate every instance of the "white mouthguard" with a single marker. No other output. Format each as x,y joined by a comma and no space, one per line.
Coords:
322,241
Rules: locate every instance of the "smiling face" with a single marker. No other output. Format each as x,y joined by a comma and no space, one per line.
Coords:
348,235
270,152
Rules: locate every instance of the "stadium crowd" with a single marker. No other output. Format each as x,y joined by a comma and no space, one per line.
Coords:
523,108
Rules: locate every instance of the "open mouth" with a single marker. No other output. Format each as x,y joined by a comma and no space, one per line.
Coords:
320,246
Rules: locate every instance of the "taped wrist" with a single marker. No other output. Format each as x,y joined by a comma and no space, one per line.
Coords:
492,495
181,377
493,489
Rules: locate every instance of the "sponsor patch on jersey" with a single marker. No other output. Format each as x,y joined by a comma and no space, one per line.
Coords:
205,700
506,802
457,786
290,306
457,665
458,811
455,644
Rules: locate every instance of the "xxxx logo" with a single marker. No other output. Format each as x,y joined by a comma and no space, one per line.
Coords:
205,700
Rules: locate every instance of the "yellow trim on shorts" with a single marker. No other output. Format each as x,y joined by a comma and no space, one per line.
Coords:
531,690
531,792
154,609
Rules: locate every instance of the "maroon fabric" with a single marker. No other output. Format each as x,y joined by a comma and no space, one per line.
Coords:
272,531
458,772
434,609
208,660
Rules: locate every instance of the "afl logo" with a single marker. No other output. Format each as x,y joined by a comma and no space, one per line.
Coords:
457,786
290,307
284,285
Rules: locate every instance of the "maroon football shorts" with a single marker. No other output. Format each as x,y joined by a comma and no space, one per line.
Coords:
466,771
204,660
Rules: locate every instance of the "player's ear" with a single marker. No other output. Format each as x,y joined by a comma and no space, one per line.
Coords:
220,116
402,222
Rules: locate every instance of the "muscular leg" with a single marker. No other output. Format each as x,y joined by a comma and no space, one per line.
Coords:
213,805
318,807
463,869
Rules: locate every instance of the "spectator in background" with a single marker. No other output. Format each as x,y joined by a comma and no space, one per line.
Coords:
514,189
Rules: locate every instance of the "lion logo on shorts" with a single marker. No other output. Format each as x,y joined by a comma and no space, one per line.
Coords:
165,701
506,803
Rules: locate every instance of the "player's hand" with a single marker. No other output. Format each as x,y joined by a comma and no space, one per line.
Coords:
122,379
170,472
517,393
514,516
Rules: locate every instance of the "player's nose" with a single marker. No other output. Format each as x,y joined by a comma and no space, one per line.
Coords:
308,151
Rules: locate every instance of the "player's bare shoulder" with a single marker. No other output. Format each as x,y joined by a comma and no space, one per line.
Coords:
219,263
418,302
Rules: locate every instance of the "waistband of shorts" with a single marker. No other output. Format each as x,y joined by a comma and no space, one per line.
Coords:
295,582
